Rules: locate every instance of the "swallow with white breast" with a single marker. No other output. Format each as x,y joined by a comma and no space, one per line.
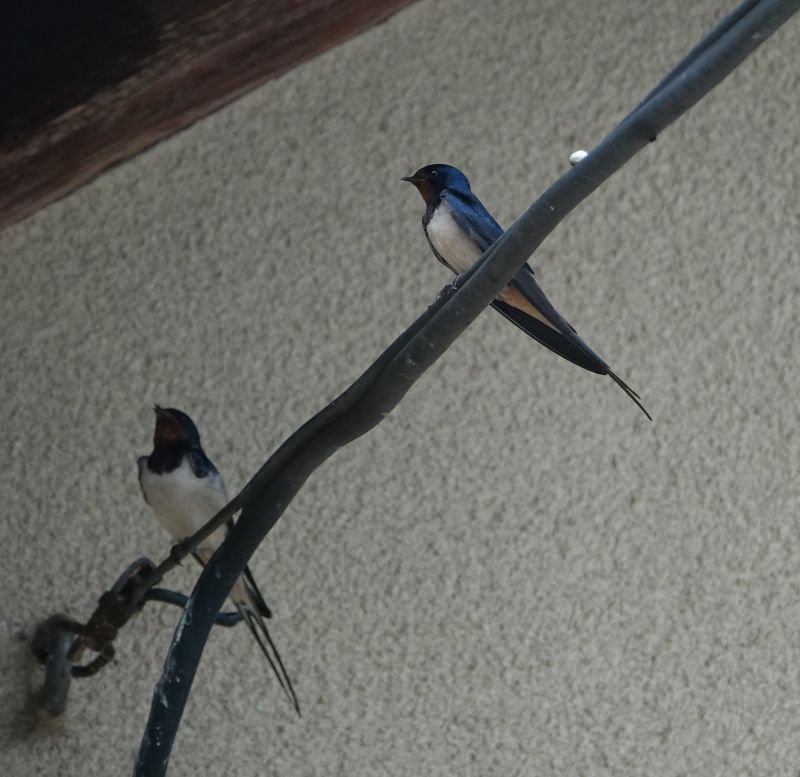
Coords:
459,230
185,490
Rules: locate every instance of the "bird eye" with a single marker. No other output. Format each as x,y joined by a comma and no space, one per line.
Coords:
434,173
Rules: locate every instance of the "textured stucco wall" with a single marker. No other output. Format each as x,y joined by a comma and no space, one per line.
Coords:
515,573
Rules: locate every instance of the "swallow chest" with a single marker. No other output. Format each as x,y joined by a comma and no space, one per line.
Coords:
181,501
451,242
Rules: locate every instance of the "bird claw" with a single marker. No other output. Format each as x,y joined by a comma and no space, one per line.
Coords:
450,289
178,552
444,292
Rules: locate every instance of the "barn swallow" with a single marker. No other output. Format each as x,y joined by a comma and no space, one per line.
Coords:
459,229
185,490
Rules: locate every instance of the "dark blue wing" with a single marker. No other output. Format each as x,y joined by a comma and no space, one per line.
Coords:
471,216
566,348
525,284
469,213
200,463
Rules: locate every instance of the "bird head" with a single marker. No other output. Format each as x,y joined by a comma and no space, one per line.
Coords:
174,426
431,180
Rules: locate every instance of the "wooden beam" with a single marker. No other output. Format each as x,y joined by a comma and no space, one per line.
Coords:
91,82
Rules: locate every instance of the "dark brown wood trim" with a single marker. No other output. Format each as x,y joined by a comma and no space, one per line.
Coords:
97,86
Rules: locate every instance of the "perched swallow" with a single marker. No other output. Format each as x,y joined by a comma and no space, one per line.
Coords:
185,490
460,229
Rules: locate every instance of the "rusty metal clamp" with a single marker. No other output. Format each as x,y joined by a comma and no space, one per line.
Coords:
59,643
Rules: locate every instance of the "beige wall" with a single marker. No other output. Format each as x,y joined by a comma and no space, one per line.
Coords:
515,573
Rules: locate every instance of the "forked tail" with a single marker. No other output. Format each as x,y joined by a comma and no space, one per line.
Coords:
255,623
630,392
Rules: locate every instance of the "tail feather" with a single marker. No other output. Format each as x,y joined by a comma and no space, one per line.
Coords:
257,627
253,609
255,595
630,392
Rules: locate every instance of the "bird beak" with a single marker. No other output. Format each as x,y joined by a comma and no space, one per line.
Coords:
422,185
168,428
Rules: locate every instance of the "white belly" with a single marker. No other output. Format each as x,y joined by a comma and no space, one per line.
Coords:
182,502
450,241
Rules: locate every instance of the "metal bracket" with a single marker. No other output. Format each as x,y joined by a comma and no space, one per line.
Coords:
59,643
